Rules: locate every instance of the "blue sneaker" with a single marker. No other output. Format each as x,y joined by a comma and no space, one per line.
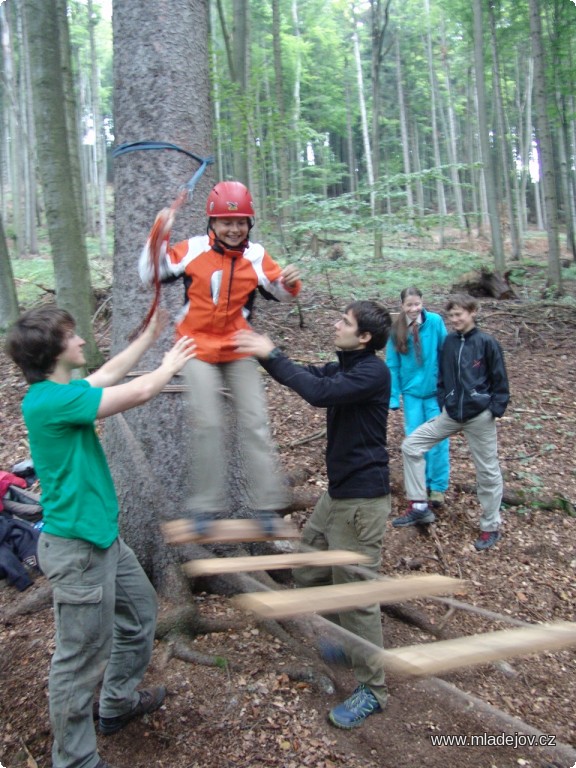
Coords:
414,517
357,707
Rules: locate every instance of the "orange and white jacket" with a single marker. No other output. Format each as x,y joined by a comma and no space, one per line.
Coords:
218,284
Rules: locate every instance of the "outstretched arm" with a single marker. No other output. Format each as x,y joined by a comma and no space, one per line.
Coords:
118,366
255,344
320,386
143,388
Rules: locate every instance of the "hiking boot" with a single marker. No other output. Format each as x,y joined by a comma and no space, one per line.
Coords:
357,707
150,700
487,539
102,764
436,499
414,516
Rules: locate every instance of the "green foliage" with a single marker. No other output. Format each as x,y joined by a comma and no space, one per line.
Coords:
35,275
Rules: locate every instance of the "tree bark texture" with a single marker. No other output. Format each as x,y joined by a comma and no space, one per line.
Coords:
8,300
72,274
161,93
545,149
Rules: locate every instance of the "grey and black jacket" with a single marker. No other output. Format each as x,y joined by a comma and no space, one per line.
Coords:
472,376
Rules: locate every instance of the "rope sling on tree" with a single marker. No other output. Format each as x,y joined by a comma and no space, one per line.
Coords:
157,235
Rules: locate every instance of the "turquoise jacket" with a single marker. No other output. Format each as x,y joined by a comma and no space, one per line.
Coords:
410,377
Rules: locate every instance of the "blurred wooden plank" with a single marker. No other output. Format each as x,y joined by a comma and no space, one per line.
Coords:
246,529
341,597
271,562
446,655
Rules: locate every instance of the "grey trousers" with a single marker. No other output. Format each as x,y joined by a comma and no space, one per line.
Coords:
357,525
263,481
105,615
481,435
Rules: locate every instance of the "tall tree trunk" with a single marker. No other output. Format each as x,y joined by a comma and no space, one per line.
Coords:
280,121
379,24
545,150
404,132
364,117
490,185
58,175
505,156
70,108
296,108
14,124
441,198
241,58
99,148
351,159
524,111
157,97
452,135
28,147
8,298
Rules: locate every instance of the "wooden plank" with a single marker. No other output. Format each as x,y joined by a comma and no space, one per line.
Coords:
340,597
446,655
271,562
247,529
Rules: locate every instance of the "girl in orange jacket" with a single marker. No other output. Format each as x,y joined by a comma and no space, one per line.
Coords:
222,271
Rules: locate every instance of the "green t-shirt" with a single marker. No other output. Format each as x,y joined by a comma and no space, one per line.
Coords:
78,494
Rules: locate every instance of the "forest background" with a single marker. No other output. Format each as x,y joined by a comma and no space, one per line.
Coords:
385,143
372,135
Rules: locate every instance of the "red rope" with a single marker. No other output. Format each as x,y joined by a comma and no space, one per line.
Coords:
157,237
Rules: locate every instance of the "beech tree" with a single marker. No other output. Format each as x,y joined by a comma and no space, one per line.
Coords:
56,145
8,300
545,150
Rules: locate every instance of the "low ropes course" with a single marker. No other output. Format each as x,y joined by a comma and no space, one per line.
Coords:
418,660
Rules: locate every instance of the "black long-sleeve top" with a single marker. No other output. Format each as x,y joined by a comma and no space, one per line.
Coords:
356,393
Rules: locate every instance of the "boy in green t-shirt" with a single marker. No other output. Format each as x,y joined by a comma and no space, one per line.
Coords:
104,606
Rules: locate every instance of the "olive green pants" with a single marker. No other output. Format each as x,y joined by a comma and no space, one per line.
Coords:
357,525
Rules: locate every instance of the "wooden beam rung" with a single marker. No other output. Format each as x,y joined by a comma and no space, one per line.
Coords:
339,597
214,565
184,530
446,655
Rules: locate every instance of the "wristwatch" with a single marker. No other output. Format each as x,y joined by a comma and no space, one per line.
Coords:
274,354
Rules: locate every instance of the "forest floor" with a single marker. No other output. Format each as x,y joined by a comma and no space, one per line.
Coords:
253,713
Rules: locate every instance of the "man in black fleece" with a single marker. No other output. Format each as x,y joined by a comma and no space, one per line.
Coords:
352,513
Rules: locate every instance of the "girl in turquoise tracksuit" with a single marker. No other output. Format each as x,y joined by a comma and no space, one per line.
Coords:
412,356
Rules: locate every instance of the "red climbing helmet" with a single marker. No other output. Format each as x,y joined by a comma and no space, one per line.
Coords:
230,199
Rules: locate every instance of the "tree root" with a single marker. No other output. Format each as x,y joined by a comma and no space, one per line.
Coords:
33,602
317,680
455,697
416,618
179,648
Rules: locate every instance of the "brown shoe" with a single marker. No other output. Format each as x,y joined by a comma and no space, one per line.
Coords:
150,700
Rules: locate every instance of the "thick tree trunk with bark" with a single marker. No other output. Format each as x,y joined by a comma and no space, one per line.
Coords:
487,162
72,274
161,93
8,300
545,149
